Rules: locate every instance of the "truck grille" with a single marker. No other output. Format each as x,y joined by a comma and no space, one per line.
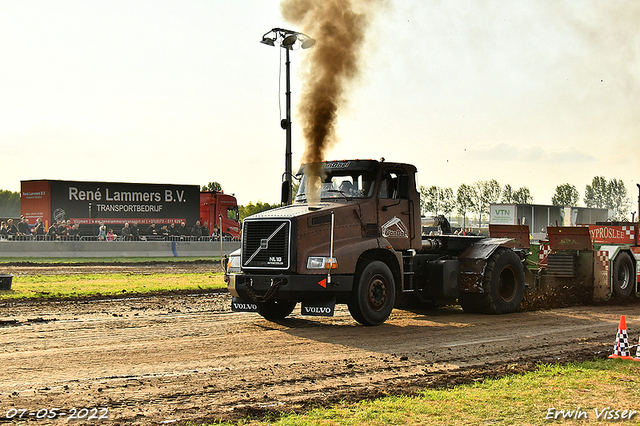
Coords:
266,244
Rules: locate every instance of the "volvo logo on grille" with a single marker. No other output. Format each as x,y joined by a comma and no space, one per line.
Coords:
264,245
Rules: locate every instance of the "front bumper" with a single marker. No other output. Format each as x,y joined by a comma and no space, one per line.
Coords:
293,287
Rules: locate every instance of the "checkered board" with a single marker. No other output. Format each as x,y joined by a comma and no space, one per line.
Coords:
543,253
603,257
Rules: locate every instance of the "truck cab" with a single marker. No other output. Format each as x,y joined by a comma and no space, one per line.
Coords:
217,208
353,236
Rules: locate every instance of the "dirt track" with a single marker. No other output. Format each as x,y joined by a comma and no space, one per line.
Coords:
179,358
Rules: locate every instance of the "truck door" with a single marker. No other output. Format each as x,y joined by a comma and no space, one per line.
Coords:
395,216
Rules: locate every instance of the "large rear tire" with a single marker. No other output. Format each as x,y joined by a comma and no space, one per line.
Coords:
503,285
373,297
276,309
623,276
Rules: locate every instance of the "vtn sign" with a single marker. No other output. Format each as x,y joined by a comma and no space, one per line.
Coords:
502,214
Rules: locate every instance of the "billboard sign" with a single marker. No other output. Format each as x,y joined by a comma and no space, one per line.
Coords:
502,214
35,200
112,202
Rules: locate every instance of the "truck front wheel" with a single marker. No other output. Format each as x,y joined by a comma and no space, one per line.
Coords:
373,297
503,286
276,309
623,276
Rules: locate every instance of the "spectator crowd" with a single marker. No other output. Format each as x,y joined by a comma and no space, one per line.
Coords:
66,231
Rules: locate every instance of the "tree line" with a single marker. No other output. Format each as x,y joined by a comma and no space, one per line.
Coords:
9,204
474,199
477,197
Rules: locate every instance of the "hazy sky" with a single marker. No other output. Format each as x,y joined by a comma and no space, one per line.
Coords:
532,93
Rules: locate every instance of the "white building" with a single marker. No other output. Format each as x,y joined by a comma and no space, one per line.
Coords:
538,216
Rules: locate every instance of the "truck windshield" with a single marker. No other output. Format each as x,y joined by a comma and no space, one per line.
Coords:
339,184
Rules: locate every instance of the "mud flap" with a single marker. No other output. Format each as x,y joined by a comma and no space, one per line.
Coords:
319,308
243,305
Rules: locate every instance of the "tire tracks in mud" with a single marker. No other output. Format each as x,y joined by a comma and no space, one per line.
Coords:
186,357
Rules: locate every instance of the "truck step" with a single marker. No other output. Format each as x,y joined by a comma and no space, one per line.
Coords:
408,279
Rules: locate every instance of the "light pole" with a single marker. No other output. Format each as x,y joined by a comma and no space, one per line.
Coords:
287,39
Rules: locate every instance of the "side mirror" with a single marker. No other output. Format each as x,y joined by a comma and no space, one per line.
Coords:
285,194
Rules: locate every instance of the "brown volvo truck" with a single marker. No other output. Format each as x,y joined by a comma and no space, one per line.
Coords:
360,243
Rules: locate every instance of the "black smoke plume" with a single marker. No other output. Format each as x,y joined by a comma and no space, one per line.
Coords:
332,65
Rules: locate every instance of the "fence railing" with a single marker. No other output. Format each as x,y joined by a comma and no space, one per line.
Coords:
68,238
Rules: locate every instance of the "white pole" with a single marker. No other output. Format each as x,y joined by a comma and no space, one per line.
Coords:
220,233
331,250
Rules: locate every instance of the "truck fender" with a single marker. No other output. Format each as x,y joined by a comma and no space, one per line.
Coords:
391,258
503,285
473,262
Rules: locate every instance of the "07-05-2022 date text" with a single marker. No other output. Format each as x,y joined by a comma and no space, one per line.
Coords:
95,413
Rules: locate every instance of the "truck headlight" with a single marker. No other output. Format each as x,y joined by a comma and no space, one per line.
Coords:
320,262
233,264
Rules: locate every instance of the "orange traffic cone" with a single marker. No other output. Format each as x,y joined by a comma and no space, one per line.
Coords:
621,348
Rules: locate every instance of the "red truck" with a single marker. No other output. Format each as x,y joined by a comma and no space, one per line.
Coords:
221,209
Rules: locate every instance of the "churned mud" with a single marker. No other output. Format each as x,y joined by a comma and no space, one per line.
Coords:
178,358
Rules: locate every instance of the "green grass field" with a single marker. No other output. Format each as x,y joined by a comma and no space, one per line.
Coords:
87,285
67,260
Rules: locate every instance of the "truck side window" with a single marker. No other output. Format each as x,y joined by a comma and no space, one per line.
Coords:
394,186
403,187
384,187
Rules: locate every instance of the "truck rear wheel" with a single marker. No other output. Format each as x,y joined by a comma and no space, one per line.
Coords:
276,309
503,286
623,272
373,297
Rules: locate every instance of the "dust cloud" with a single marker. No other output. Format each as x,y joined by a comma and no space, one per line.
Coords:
332,66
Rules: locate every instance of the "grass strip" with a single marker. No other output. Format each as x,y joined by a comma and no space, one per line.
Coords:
86,285
73,260
596,392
